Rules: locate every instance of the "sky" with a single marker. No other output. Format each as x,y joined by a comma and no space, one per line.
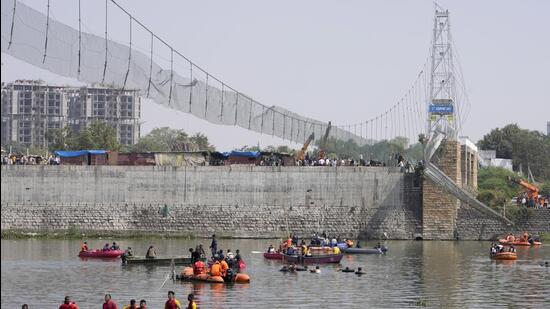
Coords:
343,61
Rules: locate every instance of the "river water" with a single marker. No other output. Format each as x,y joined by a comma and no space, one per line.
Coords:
432,274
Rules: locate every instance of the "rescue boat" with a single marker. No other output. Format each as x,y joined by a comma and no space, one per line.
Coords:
188,275
519,243
504,256
273,255
96,253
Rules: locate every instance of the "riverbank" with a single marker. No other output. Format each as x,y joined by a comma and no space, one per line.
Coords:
78,234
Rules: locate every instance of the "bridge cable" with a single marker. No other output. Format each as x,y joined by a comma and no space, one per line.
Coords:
106,41
129,57
12,23
47,29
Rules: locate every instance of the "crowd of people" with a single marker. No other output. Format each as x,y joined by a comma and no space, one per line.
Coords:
171,303
541,202
222,264
29,160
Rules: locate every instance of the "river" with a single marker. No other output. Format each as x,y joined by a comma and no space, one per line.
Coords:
431,273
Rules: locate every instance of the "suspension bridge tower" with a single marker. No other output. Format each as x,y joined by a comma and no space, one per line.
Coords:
440,209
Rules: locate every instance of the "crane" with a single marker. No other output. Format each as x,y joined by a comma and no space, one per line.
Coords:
531,189
323,142
300,156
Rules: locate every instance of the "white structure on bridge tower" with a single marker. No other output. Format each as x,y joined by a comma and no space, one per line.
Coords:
442,105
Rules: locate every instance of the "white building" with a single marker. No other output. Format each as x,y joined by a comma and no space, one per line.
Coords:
488,158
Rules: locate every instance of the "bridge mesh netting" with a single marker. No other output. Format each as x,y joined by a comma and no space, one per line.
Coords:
161,73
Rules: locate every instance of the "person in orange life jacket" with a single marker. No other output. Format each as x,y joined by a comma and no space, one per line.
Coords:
215,270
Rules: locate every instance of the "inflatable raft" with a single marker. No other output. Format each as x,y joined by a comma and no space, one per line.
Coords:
100,253
365,250
504,256
273,256
519,243
188,275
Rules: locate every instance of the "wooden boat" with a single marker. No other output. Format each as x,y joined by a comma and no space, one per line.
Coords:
178,260
313,259
273,256
504,256
188,275
96,253
519,243
363,251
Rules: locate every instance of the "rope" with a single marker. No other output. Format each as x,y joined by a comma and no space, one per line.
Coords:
129,56
106,48
12,23
79,40
47,29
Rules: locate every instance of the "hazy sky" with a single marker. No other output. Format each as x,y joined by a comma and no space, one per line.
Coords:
344,61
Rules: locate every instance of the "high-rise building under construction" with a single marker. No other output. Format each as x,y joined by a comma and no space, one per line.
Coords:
31,108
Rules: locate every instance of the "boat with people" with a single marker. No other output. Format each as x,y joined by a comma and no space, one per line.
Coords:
187,274
504,256
525,240
273,255
142,260
97,253
313,259
363,250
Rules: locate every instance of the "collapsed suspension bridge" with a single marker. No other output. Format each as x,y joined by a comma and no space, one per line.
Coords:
162,73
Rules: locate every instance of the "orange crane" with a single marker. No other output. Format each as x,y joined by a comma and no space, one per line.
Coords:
300,156
323,142
531,190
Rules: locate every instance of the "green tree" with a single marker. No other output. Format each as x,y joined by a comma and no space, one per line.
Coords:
167,139
62,139
201,141
525,148
99,135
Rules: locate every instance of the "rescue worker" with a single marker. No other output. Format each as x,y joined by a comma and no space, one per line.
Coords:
224,267
68,304
142,304
198,268
191,304
172,302
216,269
132,305
84,247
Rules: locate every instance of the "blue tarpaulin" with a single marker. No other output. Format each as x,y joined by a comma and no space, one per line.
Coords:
246,154
77,153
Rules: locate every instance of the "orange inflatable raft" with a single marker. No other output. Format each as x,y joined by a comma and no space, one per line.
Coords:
519,243
504,256
187,274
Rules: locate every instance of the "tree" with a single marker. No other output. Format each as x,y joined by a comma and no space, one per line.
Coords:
167,139
62,139
525,148
201,141
99,135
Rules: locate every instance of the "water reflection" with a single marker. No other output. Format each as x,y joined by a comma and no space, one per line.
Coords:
436,274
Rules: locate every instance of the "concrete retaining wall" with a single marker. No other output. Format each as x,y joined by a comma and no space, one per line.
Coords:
237,201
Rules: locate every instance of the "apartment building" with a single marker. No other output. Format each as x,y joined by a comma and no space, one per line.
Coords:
31,108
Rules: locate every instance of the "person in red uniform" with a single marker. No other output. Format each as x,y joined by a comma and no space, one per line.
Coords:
198,268
172,302
68,304
109,303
